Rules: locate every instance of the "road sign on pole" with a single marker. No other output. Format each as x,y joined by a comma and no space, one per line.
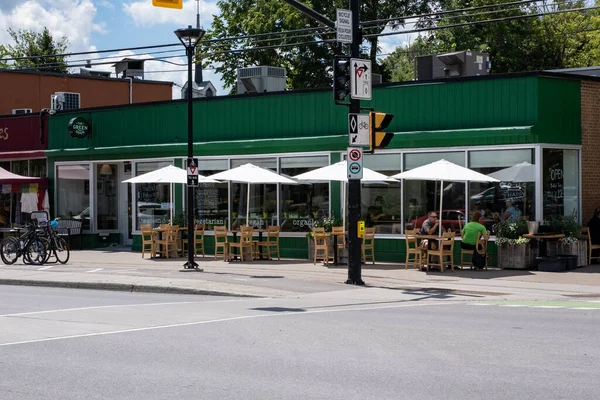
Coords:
192,172
344,26
168,3
358,130
355,163
360,79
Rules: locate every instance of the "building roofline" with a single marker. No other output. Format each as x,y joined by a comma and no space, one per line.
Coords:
79,76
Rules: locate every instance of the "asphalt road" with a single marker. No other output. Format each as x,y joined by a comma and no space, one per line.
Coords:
78,344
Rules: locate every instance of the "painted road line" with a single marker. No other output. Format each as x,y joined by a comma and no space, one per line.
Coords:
47,267
94,270
549,304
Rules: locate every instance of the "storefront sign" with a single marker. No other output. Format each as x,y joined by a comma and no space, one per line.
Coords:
79,127
20,134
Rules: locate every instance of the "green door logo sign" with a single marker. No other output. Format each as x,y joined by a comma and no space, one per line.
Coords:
79,127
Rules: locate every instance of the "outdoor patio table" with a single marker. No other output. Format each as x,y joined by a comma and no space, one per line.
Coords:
543,241
235,232
179,237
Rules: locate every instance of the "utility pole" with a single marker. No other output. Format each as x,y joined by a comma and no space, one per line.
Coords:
354,185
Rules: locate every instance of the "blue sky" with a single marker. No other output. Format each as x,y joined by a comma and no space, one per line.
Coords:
92,25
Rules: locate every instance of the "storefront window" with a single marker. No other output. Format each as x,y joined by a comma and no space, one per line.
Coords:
511,198
263,197
20,167
560,175
5,201
38,168
211,198
153,200
73,192
106,196
381,200
420,197
302,204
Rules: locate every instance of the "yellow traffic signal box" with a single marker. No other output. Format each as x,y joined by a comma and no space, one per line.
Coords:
168,3
379,121
361,229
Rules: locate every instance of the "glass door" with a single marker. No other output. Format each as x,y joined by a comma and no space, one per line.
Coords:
125,225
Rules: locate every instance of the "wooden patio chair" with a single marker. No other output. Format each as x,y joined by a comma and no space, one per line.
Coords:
147,239
198,240
435,258
271,245
591,247
341,244
368,245
413,249
167,243
321,246
481,245
244,244
221,242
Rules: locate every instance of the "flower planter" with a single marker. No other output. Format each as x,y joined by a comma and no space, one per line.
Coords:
519,256
579,248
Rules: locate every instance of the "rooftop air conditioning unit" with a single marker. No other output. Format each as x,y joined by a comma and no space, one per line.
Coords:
260,79
64,101
17,111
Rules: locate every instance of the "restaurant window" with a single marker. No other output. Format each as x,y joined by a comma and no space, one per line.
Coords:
38,168
263,197
381,200
6,201
421,197
20,167
514,196
304,203
73,192
560,175
106,196
153,200
212,198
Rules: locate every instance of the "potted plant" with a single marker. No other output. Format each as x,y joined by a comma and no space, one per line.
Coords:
514,251
574,243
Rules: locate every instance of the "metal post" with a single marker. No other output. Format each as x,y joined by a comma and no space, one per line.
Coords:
354,185
190,189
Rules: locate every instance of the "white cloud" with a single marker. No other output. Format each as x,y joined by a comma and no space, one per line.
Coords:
144,13
73,19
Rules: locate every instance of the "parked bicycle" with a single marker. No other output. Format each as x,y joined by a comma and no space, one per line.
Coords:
31,245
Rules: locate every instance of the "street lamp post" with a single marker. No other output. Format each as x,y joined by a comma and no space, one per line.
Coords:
190,37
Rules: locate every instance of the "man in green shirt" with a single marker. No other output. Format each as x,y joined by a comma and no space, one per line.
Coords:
470,232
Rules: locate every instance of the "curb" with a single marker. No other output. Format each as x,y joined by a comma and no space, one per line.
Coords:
118,287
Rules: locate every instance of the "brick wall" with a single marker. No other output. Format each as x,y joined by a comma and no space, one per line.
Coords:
590,140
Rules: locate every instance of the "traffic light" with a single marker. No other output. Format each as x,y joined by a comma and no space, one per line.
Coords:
380,121
168,3
341,78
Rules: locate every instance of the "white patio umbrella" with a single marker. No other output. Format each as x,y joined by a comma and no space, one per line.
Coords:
249,174
169,174
443,170
522,172
339,172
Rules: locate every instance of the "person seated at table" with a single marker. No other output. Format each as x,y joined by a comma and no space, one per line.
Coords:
470,232
594,227
375,212
511,213
430,227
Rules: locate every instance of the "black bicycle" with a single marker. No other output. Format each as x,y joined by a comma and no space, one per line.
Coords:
31,245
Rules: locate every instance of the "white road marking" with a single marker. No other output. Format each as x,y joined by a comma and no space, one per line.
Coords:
114,306
47,267
242,317
513,305
94,270
548,306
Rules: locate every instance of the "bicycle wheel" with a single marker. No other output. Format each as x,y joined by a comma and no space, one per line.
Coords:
36,251
61,250
10,250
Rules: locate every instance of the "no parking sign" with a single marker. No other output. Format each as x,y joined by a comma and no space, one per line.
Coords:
355,163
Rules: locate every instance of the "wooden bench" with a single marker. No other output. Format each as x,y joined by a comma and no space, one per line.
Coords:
70,227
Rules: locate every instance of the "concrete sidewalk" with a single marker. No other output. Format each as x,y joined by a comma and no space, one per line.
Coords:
119,269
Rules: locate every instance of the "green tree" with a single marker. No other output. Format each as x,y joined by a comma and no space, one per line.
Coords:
308,65
401,62
41,48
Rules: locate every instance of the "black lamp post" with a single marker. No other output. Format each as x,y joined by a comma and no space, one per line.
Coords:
190,37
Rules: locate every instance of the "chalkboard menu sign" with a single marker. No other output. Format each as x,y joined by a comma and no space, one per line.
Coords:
554,191
148,192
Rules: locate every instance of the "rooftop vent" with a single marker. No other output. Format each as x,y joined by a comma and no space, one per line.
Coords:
460,63
260,79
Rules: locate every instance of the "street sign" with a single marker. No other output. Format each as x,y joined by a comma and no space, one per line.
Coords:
360,79
344,26
168,3
192,172
355,163
358,130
